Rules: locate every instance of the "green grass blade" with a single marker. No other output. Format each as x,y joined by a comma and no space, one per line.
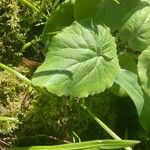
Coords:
89,145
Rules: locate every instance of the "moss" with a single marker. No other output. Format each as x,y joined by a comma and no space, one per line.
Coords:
52,120
14,99
18,27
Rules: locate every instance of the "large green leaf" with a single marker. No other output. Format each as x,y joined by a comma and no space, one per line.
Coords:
63,16
144,70
90,145
128,81
136,31
106,12
81,61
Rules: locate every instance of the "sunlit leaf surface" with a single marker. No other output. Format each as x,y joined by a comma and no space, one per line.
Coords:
81,61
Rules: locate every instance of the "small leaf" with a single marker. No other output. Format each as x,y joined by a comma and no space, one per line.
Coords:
128,81
81,61
136,31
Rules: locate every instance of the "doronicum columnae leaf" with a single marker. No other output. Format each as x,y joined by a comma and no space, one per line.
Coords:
81,61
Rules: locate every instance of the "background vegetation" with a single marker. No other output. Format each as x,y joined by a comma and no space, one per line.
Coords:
54,120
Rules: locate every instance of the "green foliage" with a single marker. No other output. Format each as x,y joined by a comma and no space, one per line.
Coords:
83,58
136,32
124,12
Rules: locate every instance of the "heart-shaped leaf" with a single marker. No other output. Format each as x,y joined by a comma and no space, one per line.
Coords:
81,61
136,31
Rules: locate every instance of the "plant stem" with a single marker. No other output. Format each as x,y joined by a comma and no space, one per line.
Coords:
8,119
28,4
107,129
17,74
